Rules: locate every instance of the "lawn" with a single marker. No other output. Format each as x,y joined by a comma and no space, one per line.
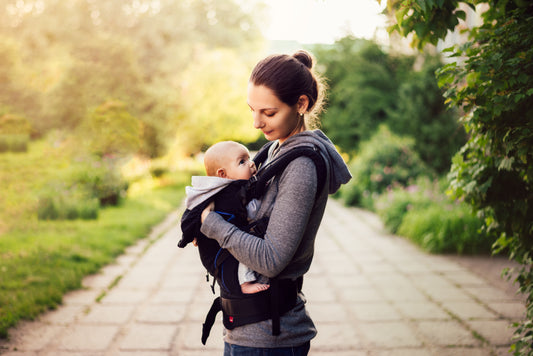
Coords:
41,260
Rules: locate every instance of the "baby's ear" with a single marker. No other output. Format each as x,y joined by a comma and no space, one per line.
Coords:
221,172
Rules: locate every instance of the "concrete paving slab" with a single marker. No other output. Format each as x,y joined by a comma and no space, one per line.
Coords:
468,310
414,310
369,293
447,333
87,338
395,334
148,337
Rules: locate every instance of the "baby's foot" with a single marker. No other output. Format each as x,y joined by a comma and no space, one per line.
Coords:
252,287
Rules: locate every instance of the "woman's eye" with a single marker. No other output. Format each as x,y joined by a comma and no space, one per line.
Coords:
270,114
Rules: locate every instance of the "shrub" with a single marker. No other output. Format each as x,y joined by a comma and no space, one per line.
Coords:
14,133
385,161
449,228
59,202
102,180
393,205
14,142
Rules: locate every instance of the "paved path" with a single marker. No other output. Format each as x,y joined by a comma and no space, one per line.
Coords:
369,293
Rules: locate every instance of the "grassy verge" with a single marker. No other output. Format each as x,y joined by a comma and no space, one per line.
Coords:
42,260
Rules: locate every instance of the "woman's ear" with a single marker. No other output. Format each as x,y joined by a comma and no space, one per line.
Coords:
221,172
302,104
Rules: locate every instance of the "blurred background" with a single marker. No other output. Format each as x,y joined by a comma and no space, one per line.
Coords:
104,106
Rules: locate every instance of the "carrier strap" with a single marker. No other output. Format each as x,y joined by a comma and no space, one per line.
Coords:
210,319
258,183
269,304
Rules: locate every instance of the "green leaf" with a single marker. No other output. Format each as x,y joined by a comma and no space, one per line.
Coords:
460,14
472,78
506,163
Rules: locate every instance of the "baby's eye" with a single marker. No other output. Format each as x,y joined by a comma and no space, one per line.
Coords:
242,161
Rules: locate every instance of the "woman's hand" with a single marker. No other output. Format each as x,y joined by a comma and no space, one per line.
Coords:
207,210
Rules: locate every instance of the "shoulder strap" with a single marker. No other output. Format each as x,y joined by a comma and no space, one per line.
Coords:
262,155
258,182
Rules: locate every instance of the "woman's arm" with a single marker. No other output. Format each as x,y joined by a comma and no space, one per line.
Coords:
288,221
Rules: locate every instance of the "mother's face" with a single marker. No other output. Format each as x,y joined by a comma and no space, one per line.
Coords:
277,120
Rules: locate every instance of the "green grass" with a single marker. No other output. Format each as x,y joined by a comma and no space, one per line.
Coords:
41,260
39,263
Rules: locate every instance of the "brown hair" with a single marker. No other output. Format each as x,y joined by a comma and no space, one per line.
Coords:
289,77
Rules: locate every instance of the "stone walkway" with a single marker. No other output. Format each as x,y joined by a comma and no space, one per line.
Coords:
369,293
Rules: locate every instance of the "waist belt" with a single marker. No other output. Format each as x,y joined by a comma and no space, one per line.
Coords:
252,308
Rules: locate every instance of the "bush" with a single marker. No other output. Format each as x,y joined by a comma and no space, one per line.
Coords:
59,202
393,205
79,195
385,161
14,142
450,228
14,133
102,180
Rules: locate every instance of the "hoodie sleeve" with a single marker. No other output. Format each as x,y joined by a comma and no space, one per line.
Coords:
288,221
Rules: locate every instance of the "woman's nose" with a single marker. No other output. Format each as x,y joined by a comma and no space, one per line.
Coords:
258,123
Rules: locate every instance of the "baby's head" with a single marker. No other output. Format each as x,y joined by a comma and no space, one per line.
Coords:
229,159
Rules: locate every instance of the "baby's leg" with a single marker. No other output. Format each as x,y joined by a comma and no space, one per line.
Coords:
247,280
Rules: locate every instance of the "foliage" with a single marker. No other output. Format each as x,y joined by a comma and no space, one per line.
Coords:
101,179
369,87
98,68
14,125
363,81
80,191
448,228
43,260
420,112
14,143
133,52
393,204
384,161
111,130
59,202
212,112
426,215
14,133
492,82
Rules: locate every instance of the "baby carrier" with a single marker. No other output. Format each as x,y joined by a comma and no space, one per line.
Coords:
237,308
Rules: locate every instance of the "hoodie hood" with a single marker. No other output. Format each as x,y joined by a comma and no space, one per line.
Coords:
338,170
204,187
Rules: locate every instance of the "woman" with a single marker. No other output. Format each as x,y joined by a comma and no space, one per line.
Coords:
283,94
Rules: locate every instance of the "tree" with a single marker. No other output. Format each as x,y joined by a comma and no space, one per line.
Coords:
369,86
363,83
101,67
420,112
215,107
134,51
492,82
110,130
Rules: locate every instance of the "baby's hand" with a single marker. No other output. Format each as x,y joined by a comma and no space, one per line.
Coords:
195,242
207,210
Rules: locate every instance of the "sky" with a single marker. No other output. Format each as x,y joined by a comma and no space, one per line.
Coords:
323,21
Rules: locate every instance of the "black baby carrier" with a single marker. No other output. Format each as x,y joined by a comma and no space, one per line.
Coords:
237,308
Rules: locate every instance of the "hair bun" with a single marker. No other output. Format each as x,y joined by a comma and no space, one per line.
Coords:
304,57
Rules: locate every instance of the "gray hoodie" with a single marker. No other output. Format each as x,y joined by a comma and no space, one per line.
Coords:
288,246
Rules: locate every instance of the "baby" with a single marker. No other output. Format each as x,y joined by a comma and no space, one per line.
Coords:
229,160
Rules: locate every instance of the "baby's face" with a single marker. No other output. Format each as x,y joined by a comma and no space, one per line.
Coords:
239,165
